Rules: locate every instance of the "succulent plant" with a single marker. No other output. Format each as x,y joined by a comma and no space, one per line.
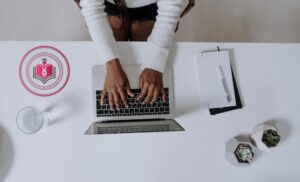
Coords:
270,138
239,151
244,153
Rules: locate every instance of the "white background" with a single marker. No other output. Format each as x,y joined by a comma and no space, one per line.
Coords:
211,20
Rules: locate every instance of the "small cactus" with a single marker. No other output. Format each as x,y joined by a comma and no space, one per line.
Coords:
270,138
244,153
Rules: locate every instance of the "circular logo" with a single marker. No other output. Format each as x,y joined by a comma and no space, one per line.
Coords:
44,71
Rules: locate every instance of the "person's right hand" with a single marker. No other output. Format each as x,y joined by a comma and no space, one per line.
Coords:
116,85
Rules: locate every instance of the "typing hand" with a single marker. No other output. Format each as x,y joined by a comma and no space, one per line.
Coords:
151,85
116,85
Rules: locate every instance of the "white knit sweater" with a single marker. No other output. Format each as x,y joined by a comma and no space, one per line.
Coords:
159,41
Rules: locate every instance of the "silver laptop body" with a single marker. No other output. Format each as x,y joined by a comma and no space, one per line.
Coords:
133,123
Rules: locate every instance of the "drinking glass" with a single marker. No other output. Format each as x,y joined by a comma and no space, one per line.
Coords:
30,119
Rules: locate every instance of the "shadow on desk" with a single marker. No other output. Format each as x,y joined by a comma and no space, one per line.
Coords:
6,153
65,107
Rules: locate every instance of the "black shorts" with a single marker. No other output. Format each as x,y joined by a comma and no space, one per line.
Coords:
144,13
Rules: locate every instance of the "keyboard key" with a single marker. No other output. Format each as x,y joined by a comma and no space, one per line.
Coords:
159,101
166,104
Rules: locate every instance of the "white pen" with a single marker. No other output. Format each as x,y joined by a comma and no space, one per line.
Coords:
224,83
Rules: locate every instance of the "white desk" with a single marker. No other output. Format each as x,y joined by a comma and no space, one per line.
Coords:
269,81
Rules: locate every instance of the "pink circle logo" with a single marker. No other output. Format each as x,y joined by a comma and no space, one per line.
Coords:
44,71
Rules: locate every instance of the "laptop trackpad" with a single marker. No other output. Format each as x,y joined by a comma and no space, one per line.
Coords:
140,126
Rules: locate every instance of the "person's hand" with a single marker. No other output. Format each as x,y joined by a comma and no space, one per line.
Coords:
116,85
151,85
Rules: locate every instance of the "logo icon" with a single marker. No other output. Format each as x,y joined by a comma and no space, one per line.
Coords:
44,71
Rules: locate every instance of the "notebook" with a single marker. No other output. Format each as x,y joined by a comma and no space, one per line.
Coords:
217,85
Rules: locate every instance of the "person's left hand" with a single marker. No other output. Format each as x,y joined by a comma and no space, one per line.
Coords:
151,85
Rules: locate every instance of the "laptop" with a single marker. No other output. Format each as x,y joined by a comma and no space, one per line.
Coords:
138,117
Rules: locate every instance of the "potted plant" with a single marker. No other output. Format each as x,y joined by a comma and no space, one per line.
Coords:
265,137
240,152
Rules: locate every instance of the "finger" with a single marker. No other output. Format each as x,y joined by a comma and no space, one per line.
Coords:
164,98
143,92
111,100
123,97
102,96
141,83
116,98
149,95
156,94
129,92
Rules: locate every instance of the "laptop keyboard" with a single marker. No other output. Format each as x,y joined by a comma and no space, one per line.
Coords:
135,107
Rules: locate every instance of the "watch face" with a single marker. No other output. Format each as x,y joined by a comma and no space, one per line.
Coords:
44,71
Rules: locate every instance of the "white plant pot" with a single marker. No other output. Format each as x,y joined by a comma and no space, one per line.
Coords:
235,147
257,136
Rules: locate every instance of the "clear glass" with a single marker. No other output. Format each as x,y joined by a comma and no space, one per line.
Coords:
30,120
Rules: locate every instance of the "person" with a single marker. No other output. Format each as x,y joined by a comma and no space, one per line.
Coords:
153,21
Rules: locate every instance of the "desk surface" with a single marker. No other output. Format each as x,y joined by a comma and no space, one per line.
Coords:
269,82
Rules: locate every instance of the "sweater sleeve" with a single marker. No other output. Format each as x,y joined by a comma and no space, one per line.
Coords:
161,38
99,28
